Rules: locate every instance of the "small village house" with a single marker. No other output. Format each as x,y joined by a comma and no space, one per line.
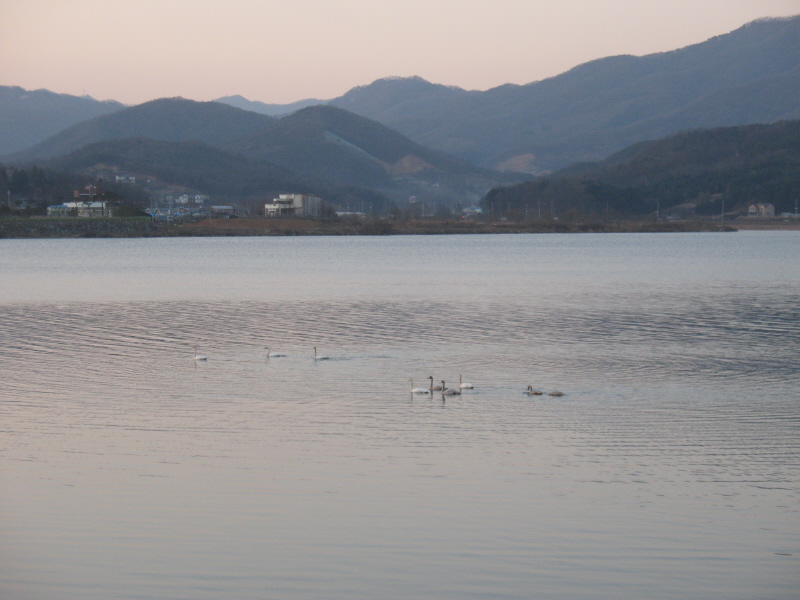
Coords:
761,210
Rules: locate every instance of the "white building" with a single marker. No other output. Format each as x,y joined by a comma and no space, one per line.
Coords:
80,208
299,205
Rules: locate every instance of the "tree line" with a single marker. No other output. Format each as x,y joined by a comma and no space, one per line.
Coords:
28,191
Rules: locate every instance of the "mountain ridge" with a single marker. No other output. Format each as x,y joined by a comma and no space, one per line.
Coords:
164,119
30,116
599,106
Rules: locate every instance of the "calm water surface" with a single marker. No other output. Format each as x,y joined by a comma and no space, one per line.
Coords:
670,469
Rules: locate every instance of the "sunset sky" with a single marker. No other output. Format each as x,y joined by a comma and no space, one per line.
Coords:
280,51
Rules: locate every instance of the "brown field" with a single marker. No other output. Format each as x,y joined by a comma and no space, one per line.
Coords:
767,224
261,226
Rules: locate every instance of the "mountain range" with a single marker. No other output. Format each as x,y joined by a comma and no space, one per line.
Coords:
751,75
399,137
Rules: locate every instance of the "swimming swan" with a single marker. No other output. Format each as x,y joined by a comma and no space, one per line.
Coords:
464,386
198,356
556,393
272,354
446,392
435,388
418,390
320,357
533,392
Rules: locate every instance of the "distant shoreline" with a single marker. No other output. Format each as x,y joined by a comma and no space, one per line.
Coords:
17,228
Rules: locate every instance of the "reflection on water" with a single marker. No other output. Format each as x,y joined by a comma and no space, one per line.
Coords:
668,470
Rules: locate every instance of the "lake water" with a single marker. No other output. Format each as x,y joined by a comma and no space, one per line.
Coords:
670,469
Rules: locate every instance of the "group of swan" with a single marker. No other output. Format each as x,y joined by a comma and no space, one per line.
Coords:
467,386
442,387
532,392
278,354
428,390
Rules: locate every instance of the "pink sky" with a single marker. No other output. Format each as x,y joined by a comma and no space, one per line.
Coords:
279,51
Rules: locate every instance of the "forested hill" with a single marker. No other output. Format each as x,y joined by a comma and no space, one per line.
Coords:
339,146
167,119
697,172
197,166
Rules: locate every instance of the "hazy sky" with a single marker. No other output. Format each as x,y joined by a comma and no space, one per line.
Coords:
280,51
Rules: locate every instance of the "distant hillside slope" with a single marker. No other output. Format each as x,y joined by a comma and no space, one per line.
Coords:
190,164
336,145
698,172
167,119
273,110
751,75
29,116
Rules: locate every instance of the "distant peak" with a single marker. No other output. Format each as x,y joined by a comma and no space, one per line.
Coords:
414,81
414,78
773,20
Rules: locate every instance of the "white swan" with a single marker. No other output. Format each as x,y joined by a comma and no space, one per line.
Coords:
272,354
435,388
418,390
464,386
533,392
447,392
198,356
320,357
